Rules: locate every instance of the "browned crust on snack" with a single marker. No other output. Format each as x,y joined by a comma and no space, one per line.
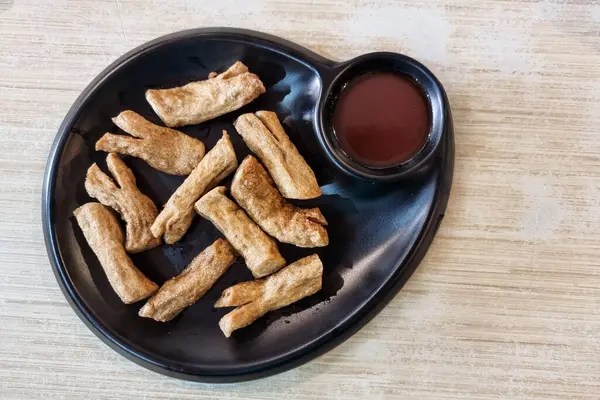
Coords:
164,149
256,298
103,233
186,288
203,100
258,249
254,190
265,136
135,208
176,216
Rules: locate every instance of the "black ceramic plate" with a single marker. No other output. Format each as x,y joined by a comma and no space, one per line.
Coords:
378,233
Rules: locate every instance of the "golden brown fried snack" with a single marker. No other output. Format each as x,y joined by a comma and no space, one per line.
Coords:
103,233
265,136
186,288
254,299
203,100
163,148
135,208
258,249
255,192
176,217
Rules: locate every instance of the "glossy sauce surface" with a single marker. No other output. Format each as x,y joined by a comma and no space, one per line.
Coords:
381,119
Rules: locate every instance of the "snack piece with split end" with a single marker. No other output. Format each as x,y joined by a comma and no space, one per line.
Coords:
264,135
135,208
104,235
186,288
254,299
203,100
255,192
176,216
164,149
258,249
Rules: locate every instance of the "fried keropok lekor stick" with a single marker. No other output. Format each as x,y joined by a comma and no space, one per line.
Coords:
136,209
176,216
254,190
264,135
203,100
104,235
186,288
258,249
254,299
164,149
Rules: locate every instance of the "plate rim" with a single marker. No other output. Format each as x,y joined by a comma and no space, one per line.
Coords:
327,341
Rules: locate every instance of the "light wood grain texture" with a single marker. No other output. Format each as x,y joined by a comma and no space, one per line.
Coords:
506,304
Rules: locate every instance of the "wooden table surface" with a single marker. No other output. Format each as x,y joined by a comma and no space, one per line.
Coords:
506,305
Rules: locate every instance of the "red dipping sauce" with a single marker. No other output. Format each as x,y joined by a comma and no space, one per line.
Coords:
381,119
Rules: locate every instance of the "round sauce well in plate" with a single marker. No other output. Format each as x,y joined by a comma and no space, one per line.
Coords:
381,119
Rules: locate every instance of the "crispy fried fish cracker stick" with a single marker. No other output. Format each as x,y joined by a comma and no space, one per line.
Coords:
254,299
265,136
164,149
203,100
135,208
103,233
177,214
255,192
258,249
186,288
